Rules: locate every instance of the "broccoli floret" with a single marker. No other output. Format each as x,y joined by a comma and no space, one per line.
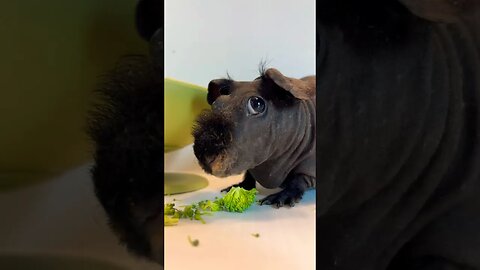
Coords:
238,199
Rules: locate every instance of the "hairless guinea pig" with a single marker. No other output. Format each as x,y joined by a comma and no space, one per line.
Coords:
265,127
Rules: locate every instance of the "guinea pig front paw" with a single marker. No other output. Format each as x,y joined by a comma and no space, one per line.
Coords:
227,189
286,197
248,183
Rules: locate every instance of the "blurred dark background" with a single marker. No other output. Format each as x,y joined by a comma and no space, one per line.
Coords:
53,55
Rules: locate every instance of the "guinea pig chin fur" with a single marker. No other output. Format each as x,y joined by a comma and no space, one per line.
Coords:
213,146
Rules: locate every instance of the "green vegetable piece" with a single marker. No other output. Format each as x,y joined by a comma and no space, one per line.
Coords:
188,211
193,242
212,206
169,209
198,216
238,199
256,235
169,220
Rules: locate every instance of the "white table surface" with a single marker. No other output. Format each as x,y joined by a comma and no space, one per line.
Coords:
287,235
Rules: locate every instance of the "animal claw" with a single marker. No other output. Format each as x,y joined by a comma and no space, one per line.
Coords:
282,198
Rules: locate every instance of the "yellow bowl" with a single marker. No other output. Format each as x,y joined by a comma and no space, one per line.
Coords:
183,103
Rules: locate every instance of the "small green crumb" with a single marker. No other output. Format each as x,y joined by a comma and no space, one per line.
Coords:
170,221
193,242
256,235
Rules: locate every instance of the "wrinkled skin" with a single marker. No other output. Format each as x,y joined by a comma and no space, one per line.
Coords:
276,148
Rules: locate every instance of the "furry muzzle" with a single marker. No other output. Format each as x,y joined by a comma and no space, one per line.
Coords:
212,134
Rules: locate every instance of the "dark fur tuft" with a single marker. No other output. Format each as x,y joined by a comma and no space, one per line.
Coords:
213,134
126,127
228,77
262,68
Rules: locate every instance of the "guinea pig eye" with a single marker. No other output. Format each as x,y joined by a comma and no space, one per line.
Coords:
256,105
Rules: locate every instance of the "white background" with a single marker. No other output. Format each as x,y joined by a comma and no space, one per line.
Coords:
205,39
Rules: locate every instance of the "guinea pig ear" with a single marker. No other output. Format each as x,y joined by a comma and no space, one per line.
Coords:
298,88
148,17
440,10
217,88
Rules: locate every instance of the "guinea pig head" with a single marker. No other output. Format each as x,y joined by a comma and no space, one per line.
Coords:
247,122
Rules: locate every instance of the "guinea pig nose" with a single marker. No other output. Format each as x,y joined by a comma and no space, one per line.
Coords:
220,104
